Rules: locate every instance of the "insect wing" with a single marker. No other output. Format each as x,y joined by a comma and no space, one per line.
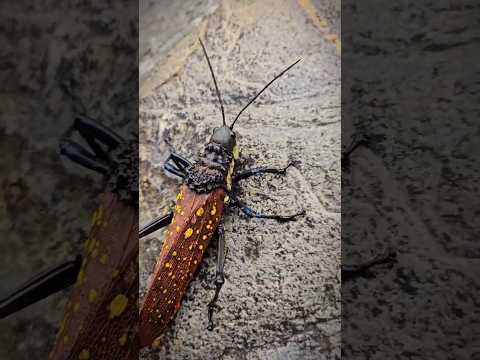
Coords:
101,316
195,220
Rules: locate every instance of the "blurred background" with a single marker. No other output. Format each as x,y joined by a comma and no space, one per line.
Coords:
56,60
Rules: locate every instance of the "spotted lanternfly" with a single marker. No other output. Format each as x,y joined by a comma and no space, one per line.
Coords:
206,192
101,314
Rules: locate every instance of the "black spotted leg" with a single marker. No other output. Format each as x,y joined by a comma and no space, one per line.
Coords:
48,282
100,139
261,170
353,270
156,225
176,165
254,214
355,144
219,275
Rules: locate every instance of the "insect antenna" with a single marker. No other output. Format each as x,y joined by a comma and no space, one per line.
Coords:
261,91
214,81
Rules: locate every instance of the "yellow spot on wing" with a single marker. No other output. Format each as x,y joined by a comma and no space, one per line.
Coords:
226,199
84,355
122,340
200,211
214,210
100,215
62,325
94,217
200,247
80,277
180,196
118,305
204,237
92,295
178,208
168,265
104,259
174,253
188,233
177,228
90,246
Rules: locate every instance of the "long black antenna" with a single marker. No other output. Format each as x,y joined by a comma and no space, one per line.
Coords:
261,91
215,82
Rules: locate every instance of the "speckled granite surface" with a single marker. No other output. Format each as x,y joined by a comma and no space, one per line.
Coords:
281,297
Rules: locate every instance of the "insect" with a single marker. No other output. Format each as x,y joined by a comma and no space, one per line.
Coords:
101,315
206,192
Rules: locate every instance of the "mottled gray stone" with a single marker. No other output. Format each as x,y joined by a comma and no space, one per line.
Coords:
281,296
416,89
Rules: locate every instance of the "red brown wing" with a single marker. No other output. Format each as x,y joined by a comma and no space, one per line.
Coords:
195,220
102,311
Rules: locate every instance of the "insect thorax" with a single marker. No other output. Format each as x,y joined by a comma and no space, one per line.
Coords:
211,171
123,176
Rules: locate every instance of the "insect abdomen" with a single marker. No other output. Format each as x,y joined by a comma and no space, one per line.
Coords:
193,225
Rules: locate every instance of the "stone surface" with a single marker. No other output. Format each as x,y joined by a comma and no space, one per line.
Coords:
415,95
281,296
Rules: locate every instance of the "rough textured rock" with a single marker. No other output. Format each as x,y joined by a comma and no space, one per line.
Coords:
417,184
281,297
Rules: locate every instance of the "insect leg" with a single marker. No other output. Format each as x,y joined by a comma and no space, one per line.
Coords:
180,161
156,224
169,168
261,170
349,271
219,276
41,286
92,130
352,147
78,154
253,214
176,165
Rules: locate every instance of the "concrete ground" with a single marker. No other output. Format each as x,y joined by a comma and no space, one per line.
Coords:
281,299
